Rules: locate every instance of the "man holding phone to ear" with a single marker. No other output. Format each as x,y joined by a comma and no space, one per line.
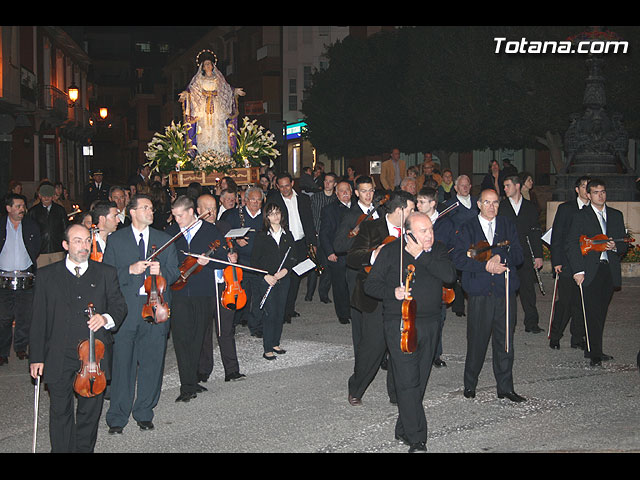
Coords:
432,268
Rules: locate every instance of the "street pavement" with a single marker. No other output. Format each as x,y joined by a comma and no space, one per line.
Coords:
298,403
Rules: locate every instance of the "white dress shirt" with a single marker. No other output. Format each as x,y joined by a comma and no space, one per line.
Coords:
71,266
295,224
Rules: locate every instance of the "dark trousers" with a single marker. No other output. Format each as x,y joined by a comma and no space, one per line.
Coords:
338,273
457,306
226,336
370,351
71,431
411,374
486,321
597,296
273,318
356,315
323,280
139,349
568,307
527,293
441,320
254,314
189,318
299,252
15,305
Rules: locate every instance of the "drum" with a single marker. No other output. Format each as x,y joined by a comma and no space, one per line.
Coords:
16,280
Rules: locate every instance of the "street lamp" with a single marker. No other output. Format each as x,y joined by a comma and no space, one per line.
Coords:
104,112
74,93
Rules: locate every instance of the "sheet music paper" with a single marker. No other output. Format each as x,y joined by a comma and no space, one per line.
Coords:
304,267
546,238
237,232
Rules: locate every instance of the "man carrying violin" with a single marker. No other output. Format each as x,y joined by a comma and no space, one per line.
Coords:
140,344
597,272
484,280
432,268
104,216
60,322
373,237
192,306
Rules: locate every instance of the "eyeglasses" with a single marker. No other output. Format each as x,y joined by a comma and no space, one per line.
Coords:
495,203
145,207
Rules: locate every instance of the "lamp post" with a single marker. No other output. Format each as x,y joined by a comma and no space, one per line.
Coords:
74,94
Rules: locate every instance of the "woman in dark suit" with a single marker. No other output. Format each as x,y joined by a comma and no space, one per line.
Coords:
269,250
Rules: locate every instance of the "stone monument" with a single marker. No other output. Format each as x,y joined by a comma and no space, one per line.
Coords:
596,142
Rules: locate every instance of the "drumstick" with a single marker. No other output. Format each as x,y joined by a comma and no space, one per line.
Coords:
584,315
35,413
553,305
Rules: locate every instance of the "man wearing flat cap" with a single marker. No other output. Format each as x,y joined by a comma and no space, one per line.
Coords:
95,190
51,217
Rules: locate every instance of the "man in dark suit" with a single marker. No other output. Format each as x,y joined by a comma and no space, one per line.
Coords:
52,220
63,293
427,201
524,215
300,221
568,303
466,210
105,217
224,319
19,250
371,348
597,273
95,190
138,339
119,197
330,217
485,284
192,305
432,267
343,241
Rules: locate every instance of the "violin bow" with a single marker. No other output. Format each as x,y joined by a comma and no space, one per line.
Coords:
36,402
204,257
177,235
506,288
584,315
553,304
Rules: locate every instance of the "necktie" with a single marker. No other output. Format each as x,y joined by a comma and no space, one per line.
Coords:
603,225
490,239
77,272
141,249
187,236
399,231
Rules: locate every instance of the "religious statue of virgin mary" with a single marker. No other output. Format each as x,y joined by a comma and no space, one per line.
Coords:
210,106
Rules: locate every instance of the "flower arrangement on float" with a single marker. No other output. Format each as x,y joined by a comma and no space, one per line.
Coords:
172,151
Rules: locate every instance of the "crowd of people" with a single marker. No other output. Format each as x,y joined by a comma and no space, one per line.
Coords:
155,262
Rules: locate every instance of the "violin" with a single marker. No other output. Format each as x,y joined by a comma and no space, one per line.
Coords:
448,295
234,297
481,251
95,254
190,266
90,379
386,241
408,335
156,310
598,243
366,216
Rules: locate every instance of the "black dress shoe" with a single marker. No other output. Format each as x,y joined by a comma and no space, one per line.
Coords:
203,378
513,396
460,314
269,357
419,447
114,430
295,314
307,299
595,362
279,351
325,300
468,393
4,360
183,397
200,388
234,376
603,357
580,345
22,355
344,321
403,439
534,329
259,334
438,362
554,344
354,401
147,425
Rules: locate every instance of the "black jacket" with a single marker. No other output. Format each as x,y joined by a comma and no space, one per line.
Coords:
304,209
527,225
52,225
267,254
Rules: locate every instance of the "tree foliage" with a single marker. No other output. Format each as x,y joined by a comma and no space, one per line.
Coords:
446,88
